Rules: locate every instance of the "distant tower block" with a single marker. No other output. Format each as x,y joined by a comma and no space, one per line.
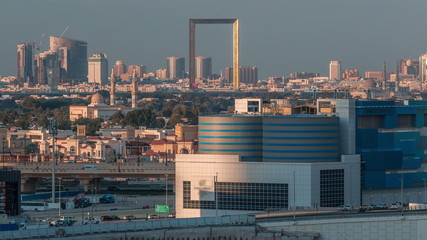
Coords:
192,54
113,89
134,90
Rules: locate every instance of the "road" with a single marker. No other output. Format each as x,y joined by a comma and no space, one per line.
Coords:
124,206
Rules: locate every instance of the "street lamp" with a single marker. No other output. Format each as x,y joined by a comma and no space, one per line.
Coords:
53,129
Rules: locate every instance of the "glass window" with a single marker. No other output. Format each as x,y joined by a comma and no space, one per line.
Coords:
241,196
331,187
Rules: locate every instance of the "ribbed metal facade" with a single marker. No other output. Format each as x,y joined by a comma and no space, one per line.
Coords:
301,139
228,134
271,139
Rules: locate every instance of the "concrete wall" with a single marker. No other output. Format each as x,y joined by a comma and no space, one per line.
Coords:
364,228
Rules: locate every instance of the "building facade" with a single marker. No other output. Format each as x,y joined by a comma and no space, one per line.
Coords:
119,69
203,67
98,69
139,70
25,57
10,192
96,109
175,67
72,56
248,163
335,70
247,75
47,68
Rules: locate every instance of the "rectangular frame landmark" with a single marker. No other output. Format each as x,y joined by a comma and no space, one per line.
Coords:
192,53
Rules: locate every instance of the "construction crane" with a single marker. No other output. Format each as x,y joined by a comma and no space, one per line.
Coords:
66,29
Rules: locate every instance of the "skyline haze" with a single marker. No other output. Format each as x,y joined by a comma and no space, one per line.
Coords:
279,37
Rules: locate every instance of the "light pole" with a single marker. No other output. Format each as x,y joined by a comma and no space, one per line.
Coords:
59,197
53,129
425,191
216,194
294,196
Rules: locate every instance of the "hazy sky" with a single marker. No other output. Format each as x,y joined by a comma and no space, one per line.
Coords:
278,36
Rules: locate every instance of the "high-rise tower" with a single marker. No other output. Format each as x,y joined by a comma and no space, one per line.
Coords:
134,90
335,70
119,69
72,56
203,67
25,62
175,67
113,89
98,69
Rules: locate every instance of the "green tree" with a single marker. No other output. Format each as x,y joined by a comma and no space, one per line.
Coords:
92,125
117,117
32,148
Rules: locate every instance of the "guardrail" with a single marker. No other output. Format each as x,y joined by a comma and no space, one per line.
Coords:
135,226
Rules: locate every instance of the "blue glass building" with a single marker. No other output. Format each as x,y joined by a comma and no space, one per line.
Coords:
391,137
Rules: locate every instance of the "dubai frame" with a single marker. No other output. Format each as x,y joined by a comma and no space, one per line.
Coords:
192,55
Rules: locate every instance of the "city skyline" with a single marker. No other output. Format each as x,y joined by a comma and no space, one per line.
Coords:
274,35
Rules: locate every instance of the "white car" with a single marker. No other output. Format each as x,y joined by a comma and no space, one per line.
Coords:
91,220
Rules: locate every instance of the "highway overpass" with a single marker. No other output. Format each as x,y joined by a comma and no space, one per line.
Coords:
32,171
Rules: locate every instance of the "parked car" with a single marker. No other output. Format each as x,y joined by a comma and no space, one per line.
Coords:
153,216
130,217
91,220
394,206
172,215
110,218
146,207
345,208
107,198
382,206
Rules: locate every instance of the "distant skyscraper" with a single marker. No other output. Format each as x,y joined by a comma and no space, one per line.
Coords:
47,68
138,69
247,75
98,69
119,69
335,70
72,55
203,67
175,67
25,62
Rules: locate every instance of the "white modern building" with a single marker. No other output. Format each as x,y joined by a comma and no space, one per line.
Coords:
250,163
335,70
98,69
249,187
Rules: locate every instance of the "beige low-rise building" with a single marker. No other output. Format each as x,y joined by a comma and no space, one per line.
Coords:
96,109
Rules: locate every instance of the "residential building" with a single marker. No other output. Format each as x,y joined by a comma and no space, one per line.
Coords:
335,70
98,69
119,69
139,70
